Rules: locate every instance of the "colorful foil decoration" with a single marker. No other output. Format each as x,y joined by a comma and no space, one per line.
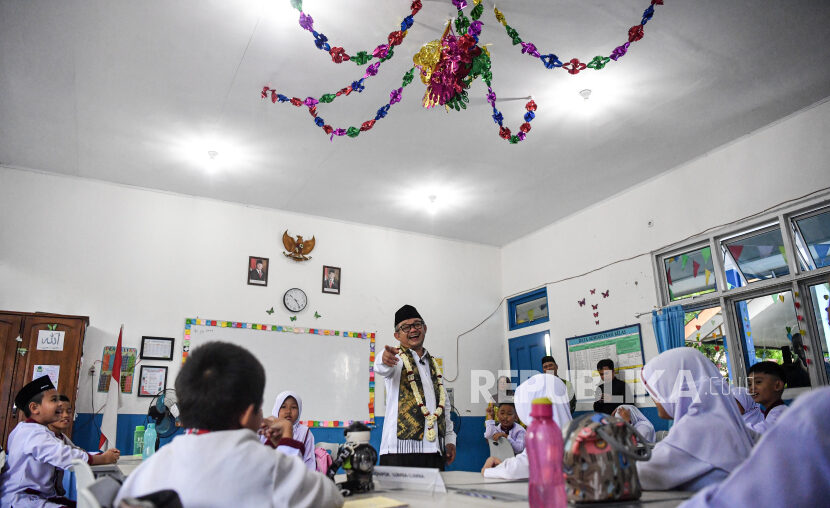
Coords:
574,66
447,67
338,55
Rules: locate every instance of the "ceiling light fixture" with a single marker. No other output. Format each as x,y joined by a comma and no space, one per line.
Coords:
585,93
212,154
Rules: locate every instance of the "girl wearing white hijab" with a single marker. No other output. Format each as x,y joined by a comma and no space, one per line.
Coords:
708,439
637,419
790,466
285,407
751,411
540,385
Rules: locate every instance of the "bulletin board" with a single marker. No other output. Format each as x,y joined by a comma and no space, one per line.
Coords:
623,345
331,370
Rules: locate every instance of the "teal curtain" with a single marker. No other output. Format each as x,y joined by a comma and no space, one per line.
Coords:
669,327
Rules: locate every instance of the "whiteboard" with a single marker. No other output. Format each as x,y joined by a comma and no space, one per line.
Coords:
329,369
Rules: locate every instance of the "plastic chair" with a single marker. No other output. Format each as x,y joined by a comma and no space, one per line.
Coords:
502,449
100,494
659,435
84,477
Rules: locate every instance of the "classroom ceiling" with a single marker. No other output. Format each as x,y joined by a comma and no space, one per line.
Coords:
138,92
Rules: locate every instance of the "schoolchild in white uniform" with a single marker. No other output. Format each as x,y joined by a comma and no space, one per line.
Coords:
28,481
765,382
288,405
540,385
220,461
638,420
708,439
64,414
789,467
750,410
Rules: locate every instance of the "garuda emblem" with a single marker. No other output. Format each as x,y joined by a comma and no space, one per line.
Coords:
298,249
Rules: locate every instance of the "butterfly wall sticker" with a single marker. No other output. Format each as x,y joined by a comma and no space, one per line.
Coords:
593,291
606,293
270,311
594,306
581,302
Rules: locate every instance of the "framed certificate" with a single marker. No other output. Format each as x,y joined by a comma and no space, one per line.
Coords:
157,348
153,380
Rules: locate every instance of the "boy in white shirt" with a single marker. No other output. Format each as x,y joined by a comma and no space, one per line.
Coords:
28,481
766,385
220,460
506,428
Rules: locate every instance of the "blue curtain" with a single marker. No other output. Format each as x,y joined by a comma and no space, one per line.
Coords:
669,328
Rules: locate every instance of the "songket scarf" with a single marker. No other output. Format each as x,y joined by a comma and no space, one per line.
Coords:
411,420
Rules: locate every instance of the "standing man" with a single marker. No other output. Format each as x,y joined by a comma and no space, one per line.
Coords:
620,393
549,366
417,430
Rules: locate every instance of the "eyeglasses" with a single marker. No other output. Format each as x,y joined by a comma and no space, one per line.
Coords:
417,325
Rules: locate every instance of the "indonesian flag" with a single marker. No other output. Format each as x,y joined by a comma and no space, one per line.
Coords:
110,419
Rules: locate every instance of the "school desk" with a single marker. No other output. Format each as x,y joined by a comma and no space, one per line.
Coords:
470,489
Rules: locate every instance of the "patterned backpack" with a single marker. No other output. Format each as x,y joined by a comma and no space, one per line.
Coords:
599,460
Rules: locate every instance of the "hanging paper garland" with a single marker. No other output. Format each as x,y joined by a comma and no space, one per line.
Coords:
447,67
339,55
574,66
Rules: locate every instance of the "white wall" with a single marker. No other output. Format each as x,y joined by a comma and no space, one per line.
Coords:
150,259
782,161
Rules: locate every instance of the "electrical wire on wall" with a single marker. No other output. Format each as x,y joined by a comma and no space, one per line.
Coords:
623,260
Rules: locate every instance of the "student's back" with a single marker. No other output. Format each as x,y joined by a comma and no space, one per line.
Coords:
220,461
230,468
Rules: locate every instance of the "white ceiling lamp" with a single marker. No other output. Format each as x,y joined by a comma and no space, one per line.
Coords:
213,162
585,93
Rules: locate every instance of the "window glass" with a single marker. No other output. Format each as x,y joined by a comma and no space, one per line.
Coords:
532,310
820,294
758,257
769,328
813,238
705,332
690,273
528,309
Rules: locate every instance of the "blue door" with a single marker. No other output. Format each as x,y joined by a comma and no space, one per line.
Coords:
526,354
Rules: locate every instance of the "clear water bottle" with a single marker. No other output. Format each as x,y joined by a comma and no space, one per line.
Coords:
138,440
150,441
546,487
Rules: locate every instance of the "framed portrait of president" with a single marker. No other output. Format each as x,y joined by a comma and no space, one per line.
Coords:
257,271
331,280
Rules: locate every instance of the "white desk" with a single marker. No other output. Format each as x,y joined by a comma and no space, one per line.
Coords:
469,489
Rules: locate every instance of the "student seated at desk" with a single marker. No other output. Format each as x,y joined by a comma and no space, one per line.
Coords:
766,385
789,467
289,405
708,439
637,419
28,480
507,427
64,488
219,461
540,385
749,409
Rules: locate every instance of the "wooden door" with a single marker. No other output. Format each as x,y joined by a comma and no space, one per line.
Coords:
11,325
39,359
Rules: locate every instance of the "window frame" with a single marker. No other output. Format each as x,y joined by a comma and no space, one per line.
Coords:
797,281
514,302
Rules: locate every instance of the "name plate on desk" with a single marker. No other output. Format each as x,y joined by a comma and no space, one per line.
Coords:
419,479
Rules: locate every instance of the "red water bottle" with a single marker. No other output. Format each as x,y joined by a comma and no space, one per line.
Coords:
546,487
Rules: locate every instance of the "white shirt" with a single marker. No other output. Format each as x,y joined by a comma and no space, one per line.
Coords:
392,375
231,468
34,453
767,423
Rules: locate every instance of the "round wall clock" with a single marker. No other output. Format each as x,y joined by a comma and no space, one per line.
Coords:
295,300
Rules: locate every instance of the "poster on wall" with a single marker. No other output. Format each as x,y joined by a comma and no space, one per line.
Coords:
623,345
128,356
53,371
50,340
